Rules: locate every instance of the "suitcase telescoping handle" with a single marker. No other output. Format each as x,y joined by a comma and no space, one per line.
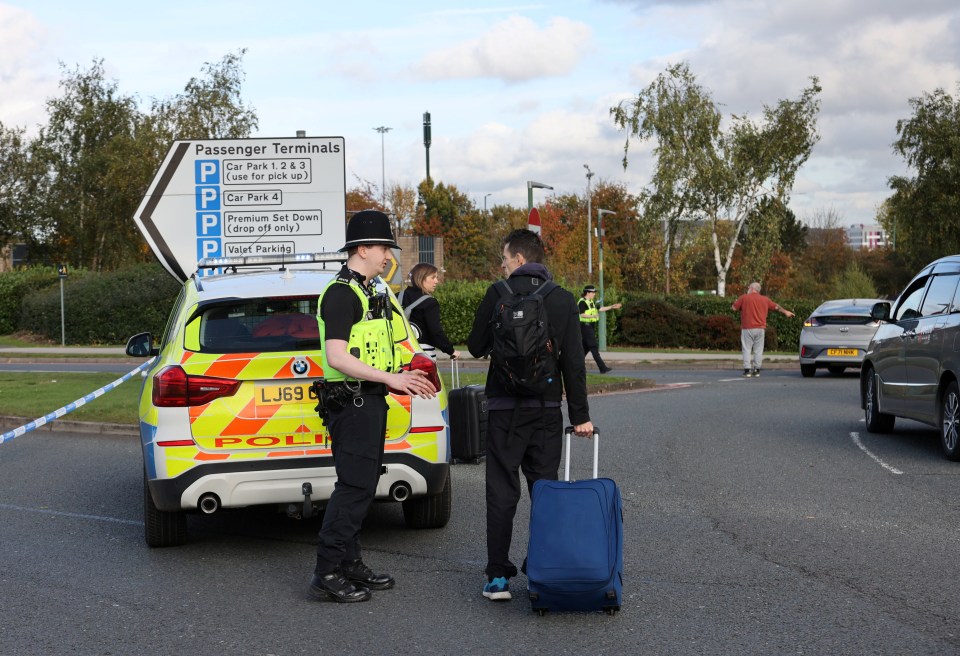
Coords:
596,451
454,373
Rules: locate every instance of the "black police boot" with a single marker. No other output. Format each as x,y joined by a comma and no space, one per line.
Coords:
358,572
336,587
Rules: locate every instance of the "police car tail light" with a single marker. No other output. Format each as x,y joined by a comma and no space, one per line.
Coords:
421,362
173,388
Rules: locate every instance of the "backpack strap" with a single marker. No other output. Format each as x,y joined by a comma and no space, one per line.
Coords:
409,309
400,297
502,285
545,288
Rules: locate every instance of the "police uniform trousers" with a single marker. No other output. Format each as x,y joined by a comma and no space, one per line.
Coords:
528,439
357,436
589,336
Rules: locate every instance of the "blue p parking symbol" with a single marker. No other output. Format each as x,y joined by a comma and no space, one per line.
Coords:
206,172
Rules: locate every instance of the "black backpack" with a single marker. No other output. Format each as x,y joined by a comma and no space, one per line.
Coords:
523,358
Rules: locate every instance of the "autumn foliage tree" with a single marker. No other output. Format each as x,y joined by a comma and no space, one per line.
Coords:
705,173
922,212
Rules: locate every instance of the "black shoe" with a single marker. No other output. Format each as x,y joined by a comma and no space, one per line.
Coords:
606,370
336,587
358,572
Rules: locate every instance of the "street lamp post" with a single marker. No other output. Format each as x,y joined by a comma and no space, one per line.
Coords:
589,226
383,170
603,315
531,185
485,202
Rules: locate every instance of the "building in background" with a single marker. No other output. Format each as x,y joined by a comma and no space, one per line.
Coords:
869,237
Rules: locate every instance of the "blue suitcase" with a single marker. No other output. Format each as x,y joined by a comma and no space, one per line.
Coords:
575,553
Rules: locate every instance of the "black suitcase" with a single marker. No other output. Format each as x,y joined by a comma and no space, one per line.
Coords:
468,421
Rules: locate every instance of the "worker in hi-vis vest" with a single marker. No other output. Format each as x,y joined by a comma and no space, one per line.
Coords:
589,317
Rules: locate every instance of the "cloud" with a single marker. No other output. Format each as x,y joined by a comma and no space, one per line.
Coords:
23,38
514,50
871,57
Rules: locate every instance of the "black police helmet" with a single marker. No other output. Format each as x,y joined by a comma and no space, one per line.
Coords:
369,227
589,288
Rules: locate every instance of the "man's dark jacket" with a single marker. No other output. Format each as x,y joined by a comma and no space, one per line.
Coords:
564,319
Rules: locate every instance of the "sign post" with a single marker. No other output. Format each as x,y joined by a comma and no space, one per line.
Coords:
61,274
232,197
603,315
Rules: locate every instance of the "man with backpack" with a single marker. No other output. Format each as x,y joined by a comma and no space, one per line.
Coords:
530,327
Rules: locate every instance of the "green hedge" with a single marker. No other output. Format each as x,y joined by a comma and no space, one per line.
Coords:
20,284
104,308
782,333
459,302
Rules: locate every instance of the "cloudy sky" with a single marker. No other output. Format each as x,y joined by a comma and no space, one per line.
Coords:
517,92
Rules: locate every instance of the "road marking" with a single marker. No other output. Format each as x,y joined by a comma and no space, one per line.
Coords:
856,440
58,513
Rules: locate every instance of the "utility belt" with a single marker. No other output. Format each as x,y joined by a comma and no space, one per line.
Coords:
335,396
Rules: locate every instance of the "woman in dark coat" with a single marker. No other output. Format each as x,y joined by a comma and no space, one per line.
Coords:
424,310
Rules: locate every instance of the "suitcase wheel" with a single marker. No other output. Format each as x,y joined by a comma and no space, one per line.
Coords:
541,611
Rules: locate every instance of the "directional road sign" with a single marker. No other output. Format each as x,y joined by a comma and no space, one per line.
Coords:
220,198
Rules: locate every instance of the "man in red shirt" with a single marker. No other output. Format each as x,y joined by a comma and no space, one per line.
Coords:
753,308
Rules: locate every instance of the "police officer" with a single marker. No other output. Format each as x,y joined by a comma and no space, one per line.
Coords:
359,363
589,316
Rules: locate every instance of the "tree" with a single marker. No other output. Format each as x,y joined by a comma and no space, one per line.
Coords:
20,174
922,213
705,173
760,239
94,172
210,107
825,259
468,243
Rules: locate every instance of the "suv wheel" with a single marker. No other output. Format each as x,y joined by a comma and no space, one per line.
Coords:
431,511
808,370
162,528
949,419
876,421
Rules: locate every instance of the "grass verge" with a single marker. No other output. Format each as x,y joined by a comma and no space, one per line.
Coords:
33,395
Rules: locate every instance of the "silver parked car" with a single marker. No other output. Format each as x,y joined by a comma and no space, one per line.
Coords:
836,335
912,365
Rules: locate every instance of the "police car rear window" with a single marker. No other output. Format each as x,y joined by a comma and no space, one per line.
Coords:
264,325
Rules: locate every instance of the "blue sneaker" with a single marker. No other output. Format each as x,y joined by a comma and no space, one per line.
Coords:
497,590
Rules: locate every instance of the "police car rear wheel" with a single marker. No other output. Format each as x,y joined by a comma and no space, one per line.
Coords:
431,511
162,528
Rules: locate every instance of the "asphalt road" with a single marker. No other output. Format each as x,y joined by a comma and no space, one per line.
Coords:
760,518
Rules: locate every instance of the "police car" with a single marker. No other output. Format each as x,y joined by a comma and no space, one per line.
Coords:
227,410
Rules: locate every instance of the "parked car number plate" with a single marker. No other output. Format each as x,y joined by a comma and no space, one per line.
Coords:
289,393
842,352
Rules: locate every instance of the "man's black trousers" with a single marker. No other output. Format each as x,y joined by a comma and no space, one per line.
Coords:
589,336
534,445
357,436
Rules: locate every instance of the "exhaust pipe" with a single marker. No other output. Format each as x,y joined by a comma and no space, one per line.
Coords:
209,503
400,491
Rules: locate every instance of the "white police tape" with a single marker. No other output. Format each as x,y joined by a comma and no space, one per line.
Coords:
70,407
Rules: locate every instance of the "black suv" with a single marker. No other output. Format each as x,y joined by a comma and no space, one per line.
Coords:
911,366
